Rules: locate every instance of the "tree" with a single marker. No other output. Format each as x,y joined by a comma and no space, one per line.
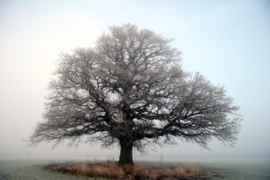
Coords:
131,91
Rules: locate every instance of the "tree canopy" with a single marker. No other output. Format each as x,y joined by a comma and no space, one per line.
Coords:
130,90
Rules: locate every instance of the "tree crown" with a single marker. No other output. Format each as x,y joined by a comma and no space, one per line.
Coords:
131,89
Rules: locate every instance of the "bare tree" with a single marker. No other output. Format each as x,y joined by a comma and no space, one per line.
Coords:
130,91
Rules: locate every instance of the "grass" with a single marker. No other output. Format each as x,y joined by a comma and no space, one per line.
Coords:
32,167
113,170
34,172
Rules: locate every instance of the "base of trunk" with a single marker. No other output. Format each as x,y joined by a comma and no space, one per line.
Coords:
126,155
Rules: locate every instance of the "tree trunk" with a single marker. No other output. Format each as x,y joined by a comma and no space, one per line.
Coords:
126,154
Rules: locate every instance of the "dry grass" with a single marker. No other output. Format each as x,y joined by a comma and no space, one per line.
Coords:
179,172
113,170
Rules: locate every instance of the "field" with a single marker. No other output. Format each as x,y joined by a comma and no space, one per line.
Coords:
18,167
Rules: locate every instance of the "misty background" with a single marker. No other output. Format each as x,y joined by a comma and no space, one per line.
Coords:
227,41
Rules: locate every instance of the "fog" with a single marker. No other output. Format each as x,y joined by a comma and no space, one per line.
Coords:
227,41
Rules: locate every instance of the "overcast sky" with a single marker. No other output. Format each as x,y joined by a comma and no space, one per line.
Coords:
227,41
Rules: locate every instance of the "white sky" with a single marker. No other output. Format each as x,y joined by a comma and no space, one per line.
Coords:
227,41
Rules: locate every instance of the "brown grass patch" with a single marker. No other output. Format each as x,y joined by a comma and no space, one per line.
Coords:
139,171
113,170
128,169
179,172
167,172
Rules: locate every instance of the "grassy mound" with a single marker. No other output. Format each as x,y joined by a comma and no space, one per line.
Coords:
113,170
